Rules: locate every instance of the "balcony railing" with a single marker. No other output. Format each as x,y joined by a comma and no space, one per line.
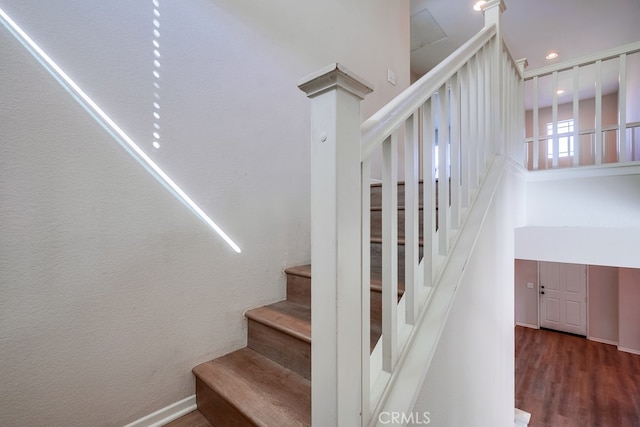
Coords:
597,95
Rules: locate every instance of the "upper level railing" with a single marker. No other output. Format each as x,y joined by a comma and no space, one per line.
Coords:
584,111
465,110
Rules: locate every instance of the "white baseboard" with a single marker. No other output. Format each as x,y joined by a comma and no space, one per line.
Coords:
629,350
167,414
603,341
521,418
527,325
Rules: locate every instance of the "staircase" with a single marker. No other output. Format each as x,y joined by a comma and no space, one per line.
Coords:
268,383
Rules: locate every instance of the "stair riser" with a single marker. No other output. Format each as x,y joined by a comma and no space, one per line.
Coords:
216,409
299,289
376,194
375,304
376,261
376,223
287,350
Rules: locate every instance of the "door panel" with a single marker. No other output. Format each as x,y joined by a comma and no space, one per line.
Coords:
563,302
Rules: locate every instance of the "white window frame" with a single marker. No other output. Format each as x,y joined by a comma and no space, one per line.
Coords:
565,139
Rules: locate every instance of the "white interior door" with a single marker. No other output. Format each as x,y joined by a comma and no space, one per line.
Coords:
563,297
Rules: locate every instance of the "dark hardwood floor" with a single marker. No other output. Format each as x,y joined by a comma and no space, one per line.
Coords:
564,380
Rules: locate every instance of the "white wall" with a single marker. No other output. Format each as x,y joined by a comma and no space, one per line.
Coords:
590,201
582,217
111,291
470,380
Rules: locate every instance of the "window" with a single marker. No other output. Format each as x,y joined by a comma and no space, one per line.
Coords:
565,139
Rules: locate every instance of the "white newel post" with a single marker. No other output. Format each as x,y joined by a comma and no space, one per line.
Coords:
493,15
336,302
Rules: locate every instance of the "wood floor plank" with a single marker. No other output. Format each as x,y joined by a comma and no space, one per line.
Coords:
564,380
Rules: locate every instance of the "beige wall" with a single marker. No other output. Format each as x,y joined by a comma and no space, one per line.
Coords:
587,122
526,305
633,88
603,304
629,282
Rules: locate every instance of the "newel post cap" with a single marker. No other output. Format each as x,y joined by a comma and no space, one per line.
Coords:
493,3
522,64
334,76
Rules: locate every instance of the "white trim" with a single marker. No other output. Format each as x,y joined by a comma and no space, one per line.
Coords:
608,169
583,60
167,414
527,325
629,350
521,418
603,341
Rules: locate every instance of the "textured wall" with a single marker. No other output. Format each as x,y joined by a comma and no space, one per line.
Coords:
110,290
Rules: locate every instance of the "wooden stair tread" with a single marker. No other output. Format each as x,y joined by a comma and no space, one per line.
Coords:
379,184
300,270
401,240
285,316
400,208
376,286
262,390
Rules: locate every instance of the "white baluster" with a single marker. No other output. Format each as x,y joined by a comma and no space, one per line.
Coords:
389,252
428,178
554,120
474,129
598,148
455,152
576,116
536,126
411,244
521,123
465,135
443,169
623,151
486,109
481,115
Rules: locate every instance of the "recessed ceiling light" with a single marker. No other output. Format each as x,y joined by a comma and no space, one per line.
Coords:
478,6
560,91
552,55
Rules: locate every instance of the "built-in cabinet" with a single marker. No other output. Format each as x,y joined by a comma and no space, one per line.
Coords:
613,298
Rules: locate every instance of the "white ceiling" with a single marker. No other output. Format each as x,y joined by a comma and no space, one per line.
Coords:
531,28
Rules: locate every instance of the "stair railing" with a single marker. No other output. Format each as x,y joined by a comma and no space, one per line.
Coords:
455,107
563,132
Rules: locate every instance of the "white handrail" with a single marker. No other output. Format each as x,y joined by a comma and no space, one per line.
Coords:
381,124
583,60
608,128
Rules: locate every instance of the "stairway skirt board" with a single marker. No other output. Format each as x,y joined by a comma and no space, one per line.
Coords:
268,383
